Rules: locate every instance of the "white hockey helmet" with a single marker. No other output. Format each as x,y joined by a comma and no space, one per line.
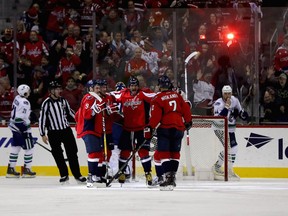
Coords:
23,90
226,89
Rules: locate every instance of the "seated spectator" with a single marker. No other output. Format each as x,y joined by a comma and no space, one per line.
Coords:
117,44
50,70
203,90
137,66
269,105
30,18
282,98
104,74
6,98
72,94
83,53
56,52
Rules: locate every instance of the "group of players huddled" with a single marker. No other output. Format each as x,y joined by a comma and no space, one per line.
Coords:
169,116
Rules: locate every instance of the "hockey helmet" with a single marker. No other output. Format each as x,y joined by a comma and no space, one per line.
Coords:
104,82
54,84
119,86
23,90
133,81
91,83
164,82
226,89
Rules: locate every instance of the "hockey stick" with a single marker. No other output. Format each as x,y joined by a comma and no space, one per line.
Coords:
47,149
130,158
105,147
187,151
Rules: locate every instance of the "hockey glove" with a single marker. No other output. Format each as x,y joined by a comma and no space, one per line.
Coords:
244,115
148,133
112,108
235,113
188,125
97,108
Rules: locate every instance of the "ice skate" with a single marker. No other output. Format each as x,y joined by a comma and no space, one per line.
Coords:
157,181
64,180
232,175
218,172
27,172
148,178
81,180
169,183
11,172
122,178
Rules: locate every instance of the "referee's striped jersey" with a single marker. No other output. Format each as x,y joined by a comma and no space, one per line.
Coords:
53,115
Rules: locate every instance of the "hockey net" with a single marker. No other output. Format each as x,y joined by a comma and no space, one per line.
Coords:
200,149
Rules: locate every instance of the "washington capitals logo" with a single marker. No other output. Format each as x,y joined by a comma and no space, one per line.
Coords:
257,140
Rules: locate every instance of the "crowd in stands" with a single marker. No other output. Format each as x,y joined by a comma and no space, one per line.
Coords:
54,40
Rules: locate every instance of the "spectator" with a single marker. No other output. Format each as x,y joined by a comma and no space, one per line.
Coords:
34,49
117,44
3,67
67,65
132,19
203,90
56,52
72,94
30,18
6,98
7,50
117,66
137,65
104,75
49,69
102,47
269,105
282,97
55,24
213,27
151,56
112,23
281,57
83,53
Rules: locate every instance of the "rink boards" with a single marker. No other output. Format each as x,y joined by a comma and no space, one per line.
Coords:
262,153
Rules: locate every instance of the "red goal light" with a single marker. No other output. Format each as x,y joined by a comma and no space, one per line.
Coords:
230,36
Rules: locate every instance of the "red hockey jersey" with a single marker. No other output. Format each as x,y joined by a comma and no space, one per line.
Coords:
169,108
133,108
87,121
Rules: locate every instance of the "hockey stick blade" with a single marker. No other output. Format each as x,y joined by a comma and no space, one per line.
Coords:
191,56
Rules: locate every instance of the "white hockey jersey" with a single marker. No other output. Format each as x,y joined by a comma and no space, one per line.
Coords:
20,113
219,105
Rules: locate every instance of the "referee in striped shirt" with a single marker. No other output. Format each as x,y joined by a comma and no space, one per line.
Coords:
53,117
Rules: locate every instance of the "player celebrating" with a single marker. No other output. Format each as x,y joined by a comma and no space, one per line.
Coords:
168,108
132,101
22,137
228,106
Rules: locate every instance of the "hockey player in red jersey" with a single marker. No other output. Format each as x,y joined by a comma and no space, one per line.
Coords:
132,101
168,108
89,127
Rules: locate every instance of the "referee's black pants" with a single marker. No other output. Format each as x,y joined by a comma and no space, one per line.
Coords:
56,138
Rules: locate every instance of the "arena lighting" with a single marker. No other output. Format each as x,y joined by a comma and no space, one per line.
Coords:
230,36
202,37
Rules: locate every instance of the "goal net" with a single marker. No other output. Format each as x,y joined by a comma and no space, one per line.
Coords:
200,149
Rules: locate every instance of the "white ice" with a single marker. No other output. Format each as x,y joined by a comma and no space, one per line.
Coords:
44,196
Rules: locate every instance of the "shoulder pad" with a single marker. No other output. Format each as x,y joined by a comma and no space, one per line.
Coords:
26,102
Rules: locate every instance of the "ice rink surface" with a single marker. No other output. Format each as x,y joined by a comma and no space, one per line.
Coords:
44,196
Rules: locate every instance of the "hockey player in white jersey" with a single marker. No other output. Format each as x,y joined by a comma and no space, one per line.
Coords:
22,137
228,106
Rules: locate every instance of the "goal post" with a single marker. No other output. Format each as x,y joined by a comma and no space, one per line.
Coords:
207,138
